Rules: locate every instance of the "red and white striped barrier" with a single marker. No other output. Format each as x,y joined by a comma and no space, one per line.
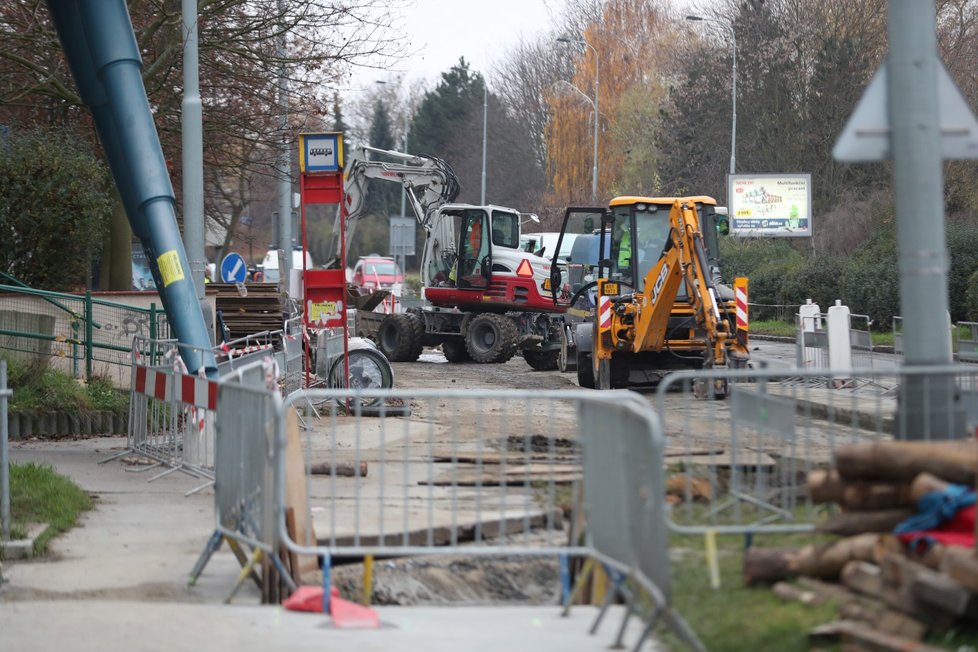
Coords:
192,390
604,313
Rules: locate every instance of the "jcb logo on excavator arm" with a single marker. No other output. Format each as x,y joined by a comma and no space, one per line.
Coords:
659,283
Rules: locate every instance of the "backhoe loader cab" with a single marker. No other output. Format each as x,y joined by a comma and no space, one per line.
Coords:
658,302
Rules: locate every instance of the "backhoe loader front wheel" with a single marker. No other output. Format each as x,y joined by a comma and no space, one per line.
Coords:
491,338
585,370
399,337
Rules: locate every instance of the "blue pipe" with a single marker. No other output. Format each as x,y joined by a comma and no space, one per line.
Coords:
100,46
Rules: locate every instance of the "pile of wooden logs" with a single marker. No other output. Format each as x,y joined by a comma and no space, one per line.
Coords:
880,586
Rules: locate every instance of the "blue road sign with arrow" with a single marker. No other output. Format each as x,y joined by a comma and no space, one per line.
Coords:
233,268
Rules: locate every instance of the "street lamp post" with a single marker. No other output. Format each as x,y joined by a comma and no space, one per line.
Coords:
597,99
733,124
485,123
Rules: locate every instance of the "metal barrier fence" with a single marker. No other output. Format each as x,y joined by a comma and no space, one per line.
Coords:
247,425
293,367
741,465
481,473
171,413
79,330
967,341
861,341
811,342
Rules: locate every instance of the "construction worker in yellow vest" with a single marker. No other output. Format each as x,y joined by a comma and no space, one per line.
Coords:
625,248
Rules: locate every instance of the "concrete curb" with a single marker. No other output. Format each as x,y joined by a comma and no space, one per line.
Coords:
23,548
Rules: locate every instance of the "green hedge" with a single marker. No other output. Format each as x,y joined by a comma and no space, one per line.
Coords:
868,281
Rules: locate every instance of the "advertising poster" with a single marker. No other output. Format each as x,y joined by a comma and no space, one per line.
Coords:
770,205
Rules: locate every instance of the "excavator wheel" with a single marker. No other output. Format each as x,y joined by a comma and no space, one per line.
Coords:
399,337
491,338
566,360
455,351
541,360
585,372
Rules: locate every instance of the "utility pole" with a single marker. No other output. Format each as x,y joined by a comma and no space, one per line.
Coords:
285,158
929,405
193,151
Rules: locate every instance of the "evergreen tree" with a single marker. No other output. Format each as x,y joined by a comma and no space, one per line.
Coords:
338,123
445,111
383,197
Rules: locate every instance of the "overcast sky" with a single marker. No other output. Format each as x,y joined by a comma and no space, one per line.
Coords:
440,31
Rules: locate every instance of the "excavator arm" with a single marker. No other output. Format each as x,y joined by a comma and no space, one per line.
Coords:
429,183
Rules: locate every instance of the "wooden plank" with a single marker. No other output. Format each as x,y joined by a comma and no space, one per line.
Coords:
296,497
489,479
494,458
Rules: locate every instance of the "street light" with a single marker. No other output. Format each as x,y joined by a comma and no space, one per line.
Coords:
733,125
595,104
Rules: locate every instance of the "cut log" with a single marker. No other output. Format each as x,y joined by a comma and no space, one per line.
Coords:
863,577
851,523
924,484
825,486
862,496
344,469
853,606
866,638
827,560
961,565
902,461
875,613
899,576
945,594
792,593
768,565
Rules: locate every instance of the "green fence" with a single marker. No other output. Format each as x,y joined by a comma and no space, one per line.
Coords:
78,329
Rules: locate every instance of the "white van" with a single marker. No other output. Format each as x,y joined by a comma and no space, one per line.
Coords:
269,266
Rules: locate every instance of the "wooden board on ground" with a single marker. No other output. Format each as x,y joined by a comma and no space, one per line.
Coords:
493,476
682,451
296,496
495,458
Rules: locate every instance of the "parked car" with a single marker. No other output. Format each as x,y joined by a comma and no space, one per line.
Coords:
376,272
269,266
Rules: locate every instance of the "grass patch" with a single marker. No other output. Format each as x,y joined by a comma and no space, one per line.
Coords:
787,329
38,387
38,494
736,617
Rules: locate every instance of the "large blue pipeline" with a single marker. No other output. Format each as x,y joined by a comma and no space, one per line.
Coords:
100,46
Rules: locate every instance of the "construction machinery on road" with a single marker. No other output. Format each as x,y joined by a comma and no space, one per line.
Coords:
655,290
484,298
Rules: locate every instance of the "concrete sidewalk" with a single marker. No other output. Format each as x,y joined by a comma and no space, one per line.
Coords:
118,581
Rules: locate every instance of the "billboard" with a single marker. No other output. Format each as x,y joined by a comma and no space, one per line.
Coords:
770,205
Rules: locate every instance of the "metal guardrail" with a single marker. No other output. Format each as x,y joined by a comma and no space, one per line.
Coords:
741,465
483,473
80,330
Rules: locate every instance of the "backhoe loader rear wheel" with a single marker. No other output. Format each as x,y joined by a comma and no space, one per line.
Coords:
399,337
541,360
491,338
455,351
